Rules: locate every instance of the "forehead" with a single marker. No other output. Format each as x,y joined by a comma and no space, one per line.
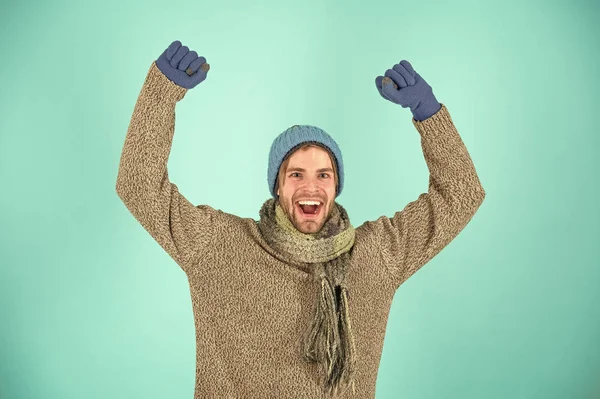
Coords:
307,156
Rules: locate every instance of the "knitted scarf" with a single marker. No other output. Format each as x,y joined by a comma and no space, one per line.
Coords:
329,340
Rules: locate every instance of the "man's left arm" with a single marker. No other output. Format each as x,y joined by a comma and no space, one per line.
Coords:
425,226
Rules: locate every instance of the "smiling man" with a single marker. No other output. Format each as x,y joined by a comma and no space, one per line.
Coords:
295,304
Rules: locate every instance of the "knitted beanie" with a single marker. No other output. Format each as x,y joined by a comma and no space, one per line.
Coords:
290,140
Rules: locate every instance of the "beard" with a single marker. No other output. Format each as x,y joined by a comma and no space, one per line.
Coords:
306,225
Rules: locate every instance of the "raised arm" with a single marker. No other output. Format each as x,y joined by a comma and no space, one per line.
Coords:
425,226
143,185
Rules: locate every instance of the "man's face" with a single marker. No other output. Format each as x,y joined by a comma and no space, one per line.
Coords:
309,176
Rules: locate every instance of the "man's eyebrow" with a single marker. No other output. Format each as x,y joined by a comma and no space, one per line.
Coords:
297,169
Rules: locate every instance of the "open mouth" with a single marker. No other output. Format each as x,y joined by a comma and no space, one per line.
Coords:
309,209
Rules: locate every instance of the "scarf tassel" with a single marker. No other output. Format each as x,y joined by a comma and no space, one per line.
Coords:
329,341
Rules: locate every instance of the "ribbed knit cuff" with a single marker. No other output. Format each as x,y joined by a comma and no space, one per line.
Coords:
161,87
426,109
440,121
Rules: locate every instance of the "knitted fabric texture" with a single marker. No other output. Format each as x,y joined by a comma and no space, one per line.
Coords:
328,341
291,139
251,304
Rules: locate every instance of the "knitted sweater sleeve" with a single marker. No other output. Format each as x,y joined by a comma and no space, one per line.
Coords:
182,229
425,226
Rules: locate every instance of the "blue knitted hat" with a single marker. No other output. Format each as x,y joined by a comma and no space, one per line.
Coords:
292,138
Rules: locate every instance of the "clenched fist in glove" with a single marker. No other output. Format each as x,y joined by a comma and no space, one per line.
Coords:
182,66
402,85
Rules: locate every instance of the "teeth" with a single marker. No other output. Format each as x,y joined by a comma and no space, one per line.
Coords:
309,202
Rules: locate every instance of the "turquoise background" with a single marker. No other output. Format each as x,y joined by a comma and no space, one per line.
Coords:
92,307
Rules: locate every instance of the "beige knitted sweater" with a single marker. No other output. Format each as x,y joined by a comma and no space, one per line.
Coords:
250,304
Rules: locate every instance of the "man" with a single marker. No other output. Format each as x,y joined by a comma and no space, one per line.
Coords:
294,305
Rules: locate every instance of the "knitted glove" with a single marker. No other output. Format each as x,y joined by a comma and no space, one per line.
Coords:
402,85
182,66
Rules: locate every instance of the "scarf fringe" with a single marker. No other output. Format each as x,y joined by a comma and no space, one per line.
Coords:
329,341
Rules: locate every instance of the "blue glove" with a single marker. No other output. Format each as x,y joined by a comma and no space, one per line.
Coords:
402,85
182,66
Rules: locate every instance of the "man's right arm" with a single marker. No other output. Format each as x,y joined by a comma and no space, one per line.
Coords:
182,229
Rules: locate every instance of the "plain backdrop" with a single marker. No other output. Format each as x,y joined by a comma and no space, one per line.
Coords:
91,307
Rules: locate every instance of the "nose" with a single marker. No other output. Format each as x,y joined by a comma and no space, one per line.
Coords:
312,184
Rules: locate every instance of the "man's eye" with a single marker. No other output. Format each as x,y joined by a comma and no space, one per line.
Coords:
295,173
325,174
